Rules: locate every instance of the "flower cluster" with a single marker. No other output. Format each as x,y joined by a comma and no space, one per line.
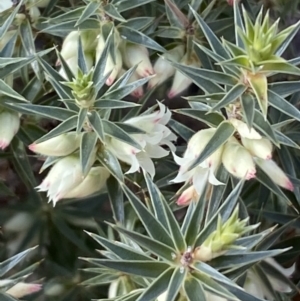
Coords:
239,157
156,135
127,55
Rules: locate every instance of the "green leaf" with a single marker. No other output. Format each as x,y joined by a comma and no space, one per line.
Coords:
116,199
87,148
211,119
279,67
8,91
238,23
108,160
123,91
89,10
150,222
96,123
213,286
124,5
137,37
45,111
139,23
8,22
198,77
224,131
224,211
248,106
244,258
175,16
182,130
194,289
175,283
112,130
263,126
157,287
10,263
154,246
113,104
213,41
81,119
64,127
113,12
99,77
231,96
284,89
283,105
151,269
283,139
5,297
121,250
102,279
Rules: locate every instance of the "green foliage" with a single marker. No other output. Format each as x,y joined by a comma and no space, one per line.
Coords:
165,131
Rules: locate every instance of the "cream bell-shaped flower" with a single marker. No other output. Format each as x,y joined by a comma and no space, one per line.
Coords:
181,82
163,69
156,134
255,286
275,173
58,146
9,126
261,148
64,176
205,171
134,54
138,92
238,160
22,289
243,129
93,182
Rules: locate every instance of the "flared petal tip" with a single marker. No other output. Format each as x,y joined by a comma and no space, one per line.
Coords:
3,144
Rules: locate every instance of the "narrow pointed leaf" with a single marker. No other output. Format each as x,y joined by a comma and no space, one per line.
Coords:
194,290
89,10
116,198
96,123
175,283
232,95
87,149
153,226
248,105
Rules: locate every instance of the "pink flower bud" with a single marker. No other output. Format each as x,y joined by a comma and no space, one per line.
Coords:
9,126
138,92
134,54
93,182
59,146
164,69
237,160
181,82
23,289
188,195
243,129
275,173
261,148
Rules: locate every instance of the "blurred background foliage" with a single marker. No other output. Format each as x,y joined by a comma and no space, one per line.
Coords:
28,220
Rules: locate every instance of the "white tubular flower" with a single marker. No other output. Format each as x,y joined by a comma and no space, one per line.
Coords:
181,82
64,176
261,148
111,67
255,286
23,289
9,126
163,69
134,54
59,146
72,63
93,182
275,173
157,134
205,171
237,160
138,92
243,129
